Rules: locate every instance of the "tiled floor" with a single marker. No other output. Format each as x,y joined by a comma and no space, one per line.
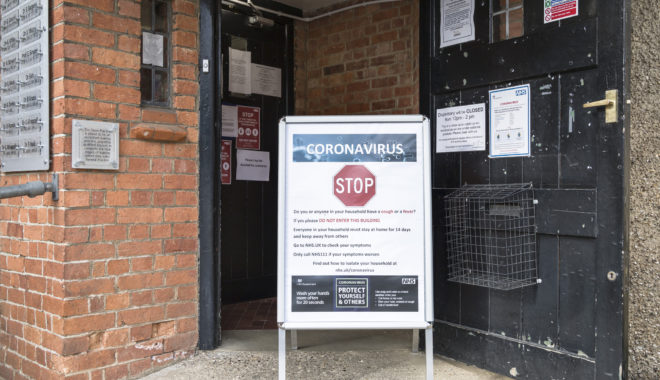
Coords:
251,315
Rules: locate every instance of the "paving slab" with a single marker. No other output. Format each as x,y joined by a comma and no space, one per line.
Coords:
331,355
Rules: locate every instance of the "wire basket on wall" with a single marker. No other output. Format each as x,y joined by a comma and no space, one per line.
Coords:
491,236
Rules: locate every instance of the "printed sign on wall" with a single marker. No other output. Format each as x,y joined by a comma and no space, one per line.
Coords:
249,128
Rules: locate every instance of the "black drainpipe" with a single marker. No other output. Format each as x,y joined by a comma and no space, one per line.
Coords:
209,332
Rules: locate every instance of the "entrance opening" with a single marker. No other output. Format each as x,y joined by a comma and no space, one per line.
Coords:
255,94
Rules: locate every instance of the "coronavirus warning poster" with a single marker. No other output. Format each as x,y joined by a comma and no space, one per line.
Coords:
355,242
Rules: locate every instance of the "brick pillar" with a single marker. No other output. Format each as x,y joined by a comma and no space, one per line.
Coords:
103,283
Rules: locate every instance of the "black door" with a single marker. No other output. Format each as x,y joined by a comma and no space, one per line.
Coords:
573,324
248,237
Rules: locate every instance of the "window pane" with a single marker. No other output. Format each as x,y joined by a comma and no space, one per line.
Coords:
146,14
161,20
498,5
499,27
145,84
165,52
516,23
515,3
162,86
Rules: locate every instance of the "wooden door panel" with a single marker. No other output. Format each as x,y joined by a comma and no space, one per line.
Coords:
571,325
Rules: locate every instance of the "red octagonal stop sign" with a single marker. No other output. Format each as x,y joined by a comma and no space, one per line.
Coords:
354,185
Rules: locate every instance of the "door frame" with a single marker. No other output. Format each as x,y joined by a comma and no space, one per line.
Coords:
611,358
210,117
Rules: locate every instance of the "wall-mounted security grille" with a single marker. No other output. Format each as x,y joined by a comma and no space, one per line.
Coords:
24,83
491,236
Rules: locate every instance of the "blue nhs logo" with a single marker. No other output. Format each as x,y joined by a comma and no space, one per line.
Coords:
521,92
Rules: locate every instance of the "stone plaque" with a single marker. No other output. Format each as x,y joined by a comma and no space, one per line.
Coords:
95,145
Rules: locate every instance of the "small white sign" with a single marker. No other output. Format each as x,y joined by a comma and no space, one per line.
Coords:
240,71
95,145
252,165
456,22
152,49
509,122
229,120
266,80
461,129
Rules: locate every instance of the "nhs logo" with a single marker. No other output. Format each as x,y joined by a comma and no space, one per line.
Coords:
521,92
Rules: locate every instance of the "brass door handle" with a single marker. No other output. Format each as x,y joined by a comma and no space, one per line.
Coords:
609,103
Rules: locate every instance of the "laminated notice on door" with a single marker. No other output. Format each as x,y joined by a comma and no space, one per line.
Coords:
229,120
266,80
509,122
240,71
252,165
461,128
456,22
555,10
225,163
249,128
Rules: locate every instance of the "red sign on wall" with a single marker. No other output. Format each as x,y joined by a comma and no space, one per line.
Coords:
249,128
225,163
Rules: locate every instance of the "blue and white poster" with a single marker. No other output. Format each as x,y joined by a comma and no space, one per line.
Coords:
510,122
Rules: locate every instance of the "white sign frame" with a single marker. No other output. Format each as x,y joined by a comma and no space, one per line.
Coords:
329,125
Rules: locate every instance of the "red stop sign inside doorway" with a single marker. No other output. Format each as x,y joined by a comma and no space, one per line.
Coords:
354,185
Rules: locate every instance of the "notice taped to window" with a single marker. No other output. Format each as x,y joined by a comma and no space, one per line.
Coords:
461,129
355,238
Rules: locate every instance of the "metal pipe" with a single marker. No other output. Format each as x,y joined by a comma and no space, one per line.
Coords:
31,189
209,329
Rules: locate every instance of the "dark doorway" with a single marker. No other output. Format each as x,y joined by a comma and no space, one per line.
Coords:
248,209
572,325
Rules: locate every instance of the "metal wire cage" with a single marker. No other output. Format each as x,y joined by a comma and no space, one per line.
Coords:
491,236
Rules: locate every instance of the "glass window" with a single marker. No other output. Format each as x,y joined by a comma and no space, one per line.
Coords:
507,19
154,73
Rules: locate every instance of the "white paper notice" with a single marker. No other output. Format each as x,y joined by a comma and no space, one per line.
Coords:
239,71
229,121
266,80
456,22
509,122
252,165
461,129
152,49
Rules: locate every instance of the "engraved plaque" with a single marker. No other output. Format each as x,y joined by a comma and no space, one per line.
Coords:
95,145
24,86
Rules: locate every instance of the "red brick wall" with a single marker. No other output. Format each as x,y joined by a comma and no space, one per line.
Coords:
103,283
361,61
